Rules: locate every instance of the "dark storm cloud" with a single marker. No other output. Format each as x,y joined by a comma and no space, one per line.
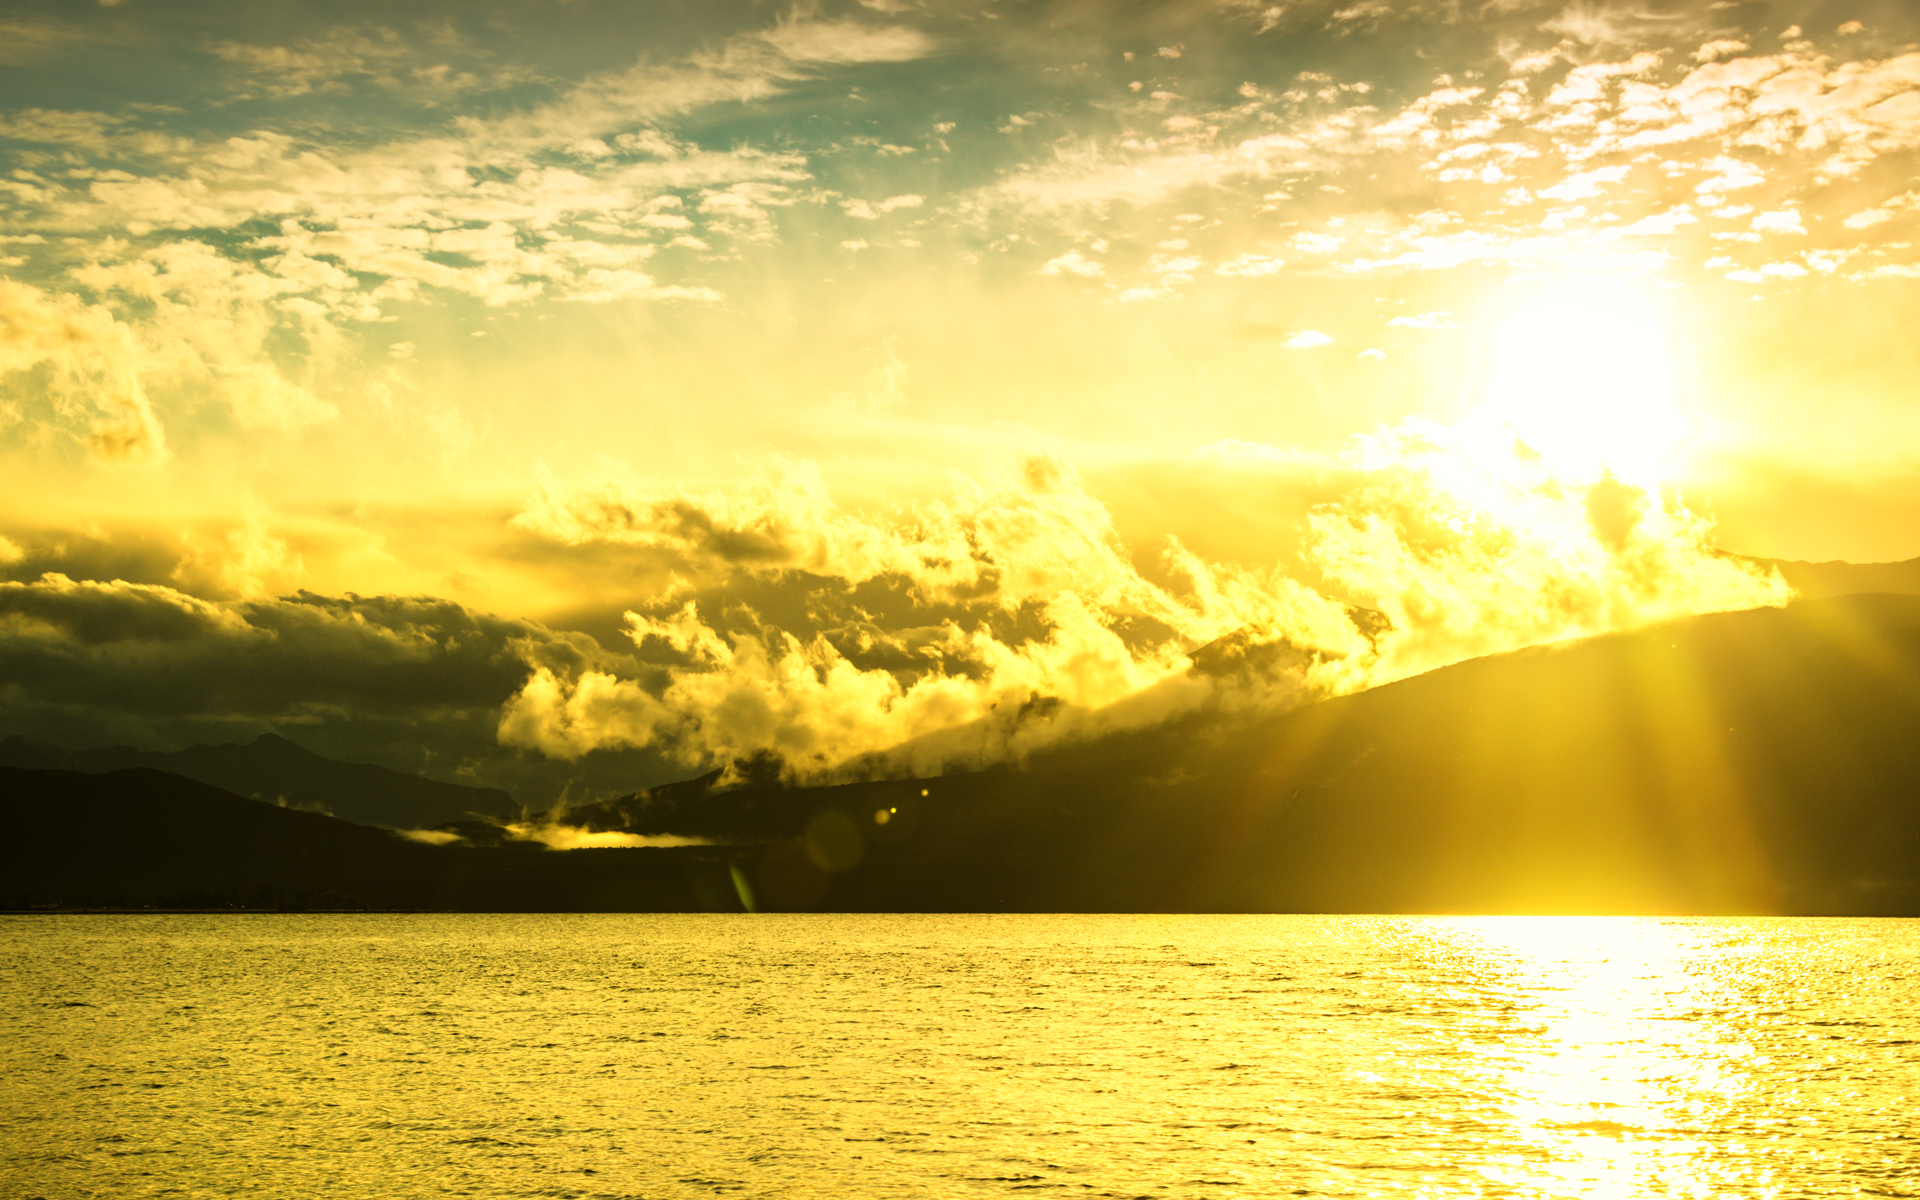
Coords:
92,614
134,555
145,648
408,682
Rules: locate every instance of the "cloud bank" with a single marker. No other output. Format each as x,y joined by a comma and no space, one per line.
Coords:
1010,616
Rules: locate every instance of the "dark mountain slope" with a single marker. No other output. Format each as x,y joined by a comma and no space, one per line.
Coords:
139,837
1752,762
1823,580
275,770
1762,761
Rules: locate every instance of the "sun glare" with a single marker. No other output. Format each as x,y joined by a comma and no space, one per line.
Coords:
1584,375
1617,1076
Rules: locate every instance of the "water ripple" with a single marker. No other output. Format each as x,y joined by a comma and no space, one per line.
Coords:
939,1056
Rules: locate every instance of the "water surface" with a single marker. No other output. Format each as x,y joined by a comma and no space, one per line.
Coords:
939,1056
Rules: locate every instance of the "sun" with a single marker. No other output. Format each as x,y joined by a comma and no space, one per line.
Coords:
1583,373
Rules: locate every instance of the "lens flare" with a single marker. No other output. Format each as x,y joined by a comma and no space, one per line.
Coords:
1583,374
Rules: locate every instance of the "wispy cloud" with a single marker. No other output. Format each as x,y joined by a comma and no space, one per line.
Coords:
24,40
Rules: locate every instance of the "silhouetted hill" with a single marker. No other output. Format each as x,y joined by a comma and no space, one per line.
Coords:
1751,762
1761,761
139,838
1824,580
275,770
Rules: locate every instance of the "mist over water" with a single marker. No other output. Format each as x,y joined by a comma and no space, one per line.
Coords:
666,1056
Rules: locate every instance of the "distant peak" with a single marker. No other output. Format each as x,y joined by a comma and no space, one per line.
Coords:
273,741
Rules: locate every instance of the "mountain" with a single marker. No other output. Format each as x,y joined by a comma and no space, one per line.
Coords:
1747,762
273,769
144,838
1765,761
1823,580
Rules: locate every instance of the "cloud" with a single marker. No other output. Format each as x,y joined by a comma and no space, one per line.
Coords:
1005,617
1306,339
23,39
957,616
1010,617
201,280
1717,49
1606,26
345,59
1250,266
491,207
94,364
1883,212
1662,224
1702,105
409,682
1073,263
431,837
804,39
150,649
1585,184
557,836
1730,175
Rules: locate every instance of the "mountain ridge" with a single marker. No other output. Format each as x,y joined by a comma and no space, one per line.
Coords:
276,770
1762,761
1716,763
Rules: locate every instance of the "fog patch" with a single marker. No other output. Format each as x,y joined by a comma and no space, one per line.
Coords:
572,837
432,837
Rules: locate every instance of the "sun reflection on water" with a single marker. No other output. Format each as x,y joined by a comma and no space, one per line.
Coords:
1629,1082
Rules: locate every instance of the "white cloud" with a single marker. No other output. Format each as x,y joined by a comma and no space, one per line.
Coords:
95,366
487,190
1250,266
1730,174
1306,339
1662,224
1586,184
346,59
1428,320
1073,263
1882,213
810,40
933,685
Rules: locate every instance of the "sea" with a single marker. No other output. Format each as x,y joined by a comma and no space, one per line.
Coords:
627,1056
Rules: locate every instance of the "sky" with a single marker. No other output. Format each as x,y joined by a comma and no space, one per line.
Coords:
569,396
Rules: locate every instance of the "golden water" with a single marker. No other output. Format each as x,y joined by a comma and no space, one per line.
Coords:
945,1056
